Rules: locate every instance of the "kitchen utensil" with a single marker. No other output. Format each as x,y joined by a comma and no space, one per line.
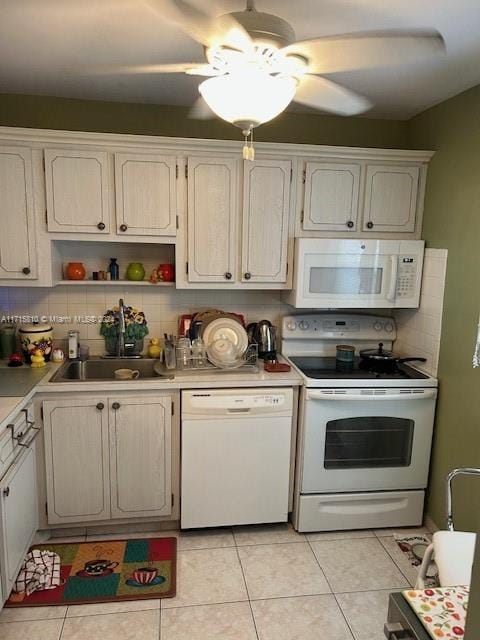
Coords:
36,336
264,335
222,350
127,374
226,328
384,360
169,353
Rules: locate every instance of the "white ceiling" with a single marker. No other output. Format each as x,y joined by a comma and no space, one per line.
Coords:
48,46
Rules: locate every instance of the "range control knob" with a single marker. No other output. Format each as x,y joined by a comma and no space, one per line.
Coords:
377,326
389,327
303,324
291,325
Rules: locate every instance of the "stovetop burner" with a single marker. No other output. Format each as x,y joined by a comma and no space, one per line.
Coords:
326,368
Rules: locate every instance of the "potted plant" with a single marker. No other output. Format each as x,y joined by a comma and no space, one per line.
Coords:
135,330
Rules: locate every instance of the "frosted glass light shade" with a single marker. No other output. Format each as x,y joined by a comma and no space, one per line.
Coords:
248,97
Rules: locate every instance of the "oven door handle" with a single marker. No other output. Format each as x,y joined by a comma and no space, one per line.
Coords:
393,279
318,395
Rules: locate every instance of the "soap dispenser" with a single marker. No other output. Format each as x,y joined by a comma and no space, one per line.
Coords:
73,337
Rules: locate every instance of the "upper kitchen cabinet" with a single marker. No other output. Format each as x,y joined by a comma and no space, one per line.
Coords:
18,259
78,191
212,220
238,223
390,198
331,196
265,221
146,194
376,193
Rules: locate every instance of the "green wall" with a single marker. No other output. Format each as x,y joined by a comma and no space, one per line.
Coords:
114,117
452,221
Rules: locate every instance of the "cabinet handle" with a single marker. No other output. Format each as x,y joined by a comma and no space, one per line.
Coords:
6,492
350,224
101,226
228,276
100,406
369,225
247,275
26,270
123,227
116,405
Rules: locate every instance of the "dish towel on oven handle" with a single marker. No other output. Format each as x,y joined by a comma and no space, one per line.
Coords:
40,571
476,353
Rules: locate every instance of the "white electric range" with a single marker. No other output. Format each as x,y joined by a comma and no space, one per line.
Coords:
365,436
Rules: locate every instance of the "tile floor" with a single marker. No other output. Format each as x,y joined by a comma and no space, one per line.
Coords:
246,583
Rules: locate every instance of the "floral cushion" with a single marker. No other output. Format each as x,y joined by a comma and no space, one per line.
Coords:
442,611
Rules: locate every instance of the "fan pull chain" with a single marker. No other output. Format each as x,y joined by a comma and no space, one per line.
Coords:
248,150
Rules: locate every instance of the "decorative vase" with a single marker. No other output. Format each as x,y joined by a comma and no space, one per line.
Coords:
36,337
166,272
135,271
75,271
111,346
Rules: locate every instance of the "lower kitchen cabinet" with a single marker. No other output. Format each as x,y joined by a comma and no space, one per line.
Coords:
140,460
107,458
18,517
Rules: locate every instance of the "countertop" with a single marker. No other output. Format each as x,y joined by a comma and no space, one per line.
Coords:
37,381
17,386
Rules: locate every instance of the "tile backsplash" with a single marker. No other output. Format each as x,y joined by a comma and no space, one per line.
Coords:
162,306
419,330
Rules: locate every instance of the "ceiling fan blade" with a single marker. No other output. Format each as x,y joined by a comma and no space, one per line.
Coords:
367,50
201,110
209,30
326,95
191,68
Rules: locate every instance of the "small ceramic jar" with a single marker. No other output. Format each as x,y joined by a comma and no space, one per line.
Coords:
75,271
36,336
135,271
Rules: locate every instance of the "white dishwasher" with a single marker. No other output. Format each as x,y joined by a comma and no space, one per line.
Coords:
235,456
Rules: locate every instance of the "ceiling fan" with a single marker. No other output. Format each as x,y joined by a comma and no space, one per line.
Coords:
255,67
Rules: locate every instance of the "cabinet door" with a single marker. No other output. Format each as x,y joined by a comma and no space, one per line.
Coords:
146,194
18,516
140,456
18,237
390,198
77,456
212,208
78,190
266,212
331,196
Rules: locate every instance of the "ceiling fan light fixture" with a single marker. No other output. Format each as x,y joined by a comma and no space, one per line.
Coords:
249,97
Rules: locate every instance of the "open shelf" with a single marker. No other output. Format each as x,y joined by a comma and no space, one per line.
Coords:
134,283
95,256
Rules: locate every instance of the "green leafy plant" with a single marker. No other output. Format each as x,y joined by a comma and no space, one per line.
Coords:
135,323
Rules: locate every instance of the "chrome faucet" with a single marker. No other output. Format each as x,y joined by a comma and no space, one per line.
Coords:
121,330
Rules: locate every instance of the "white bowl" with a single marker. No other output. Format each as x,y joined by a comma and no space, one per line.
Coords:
223,350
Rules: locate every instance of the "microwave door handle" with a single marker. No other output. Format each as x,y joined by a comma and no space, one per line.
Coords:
318,395
393,279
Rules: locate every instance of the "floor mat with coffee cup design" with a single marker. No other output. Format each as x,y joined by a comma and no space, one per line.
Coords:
107,571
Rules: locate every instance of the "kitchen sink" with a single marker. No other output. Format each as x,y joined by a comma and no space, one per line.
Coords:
97,370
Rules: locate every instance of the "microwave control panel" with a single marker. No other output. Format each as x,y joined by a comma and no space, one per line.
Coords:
406,276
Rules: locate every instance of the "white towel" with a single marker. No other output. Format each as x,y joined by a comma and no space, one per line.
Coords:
476,353
40,571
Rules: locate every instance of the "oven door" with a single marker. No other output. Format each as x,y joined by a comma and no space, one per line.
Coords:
367,439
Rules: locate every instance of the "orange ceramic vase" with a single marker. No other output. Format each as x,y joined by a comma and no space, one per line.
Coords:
75,271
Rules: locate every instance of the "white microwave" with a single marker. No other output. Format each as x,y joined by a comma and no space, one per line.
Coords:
350,274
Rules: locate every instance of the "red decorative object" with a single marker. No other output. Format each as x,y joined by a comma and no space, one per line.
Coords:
75,271
166,272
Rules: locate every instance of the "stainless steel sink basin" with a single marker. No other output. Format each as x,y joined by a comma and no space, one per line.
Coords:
98,370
